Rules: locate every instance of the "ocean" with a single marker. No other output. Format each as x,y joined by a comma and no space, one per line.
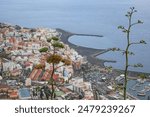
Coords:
90,17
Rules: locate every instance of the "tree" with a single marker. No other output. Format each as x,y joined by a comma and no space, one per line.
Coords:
126,52
142,76
54,59
44,49
39,66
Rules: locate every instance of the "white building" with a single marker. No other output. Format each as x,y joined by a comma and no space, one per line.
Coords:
28,82
9,65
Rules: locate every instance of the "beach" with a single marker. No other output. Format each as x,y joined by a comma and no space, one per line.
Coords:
90,53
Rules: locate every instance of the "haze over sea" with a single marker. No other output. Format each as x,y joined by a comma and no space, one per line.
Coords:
86,16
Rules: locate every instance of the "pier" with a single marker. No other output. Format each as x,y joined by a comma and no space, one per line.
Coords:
92,35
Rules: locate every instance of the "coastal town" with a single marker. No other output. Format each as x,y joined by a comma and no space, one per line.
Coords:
21,77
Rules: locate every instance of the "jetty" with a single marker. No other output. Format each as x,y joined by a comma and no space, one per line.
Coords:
78,34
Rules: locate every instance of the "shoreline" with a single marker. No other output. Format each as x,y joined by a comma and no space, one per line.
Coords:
91,53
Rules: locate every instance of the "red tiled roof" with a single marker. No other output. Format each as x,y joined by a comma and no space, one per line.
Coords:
13,94
45,75
33,73
37,74
55,76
